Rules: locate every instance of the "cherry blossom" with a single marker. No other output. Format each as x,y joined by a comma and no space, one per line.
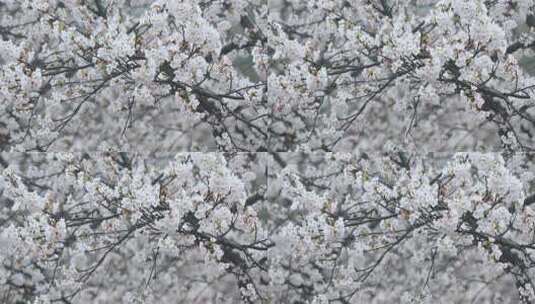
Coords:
281,151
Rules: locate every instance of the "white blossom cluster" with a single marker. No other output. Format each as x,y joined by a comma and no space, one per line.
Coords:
257,75
432,75
121,75
144,230
267,151
267,228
